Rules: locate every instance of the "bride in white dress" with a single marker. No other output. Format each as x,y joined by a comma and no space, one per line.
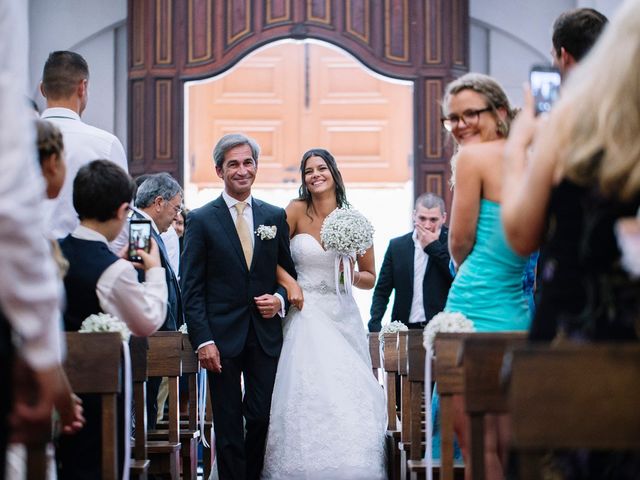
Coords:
328,414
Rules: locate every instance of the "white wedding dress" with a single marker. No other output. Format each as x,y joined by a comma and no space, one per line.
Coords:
328,414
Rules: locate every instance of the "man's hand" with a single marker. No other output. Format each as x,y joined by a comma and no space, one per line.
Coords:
268,305
426,236
209,357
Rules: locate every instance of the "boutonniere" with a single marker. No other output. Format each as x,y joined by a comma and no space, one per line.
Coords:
267,232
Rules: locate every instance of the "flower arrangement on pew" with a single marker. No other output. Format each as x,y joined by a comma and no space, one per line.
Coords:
452,322
183,329
391,327
445,322
104,322
348,233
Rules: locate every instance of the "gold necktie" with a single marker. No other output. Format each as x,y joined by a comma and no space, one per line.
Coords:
243,233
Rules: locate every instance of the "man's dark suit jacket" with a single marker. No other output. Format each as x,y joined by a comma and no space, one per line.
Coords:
397,273
218,289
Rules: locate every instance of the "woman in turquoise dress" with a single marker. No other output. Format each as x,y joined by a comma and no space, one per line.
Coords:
487,288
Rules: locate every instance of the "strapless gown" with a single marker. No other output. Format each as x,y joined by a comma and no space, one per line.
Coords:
328,414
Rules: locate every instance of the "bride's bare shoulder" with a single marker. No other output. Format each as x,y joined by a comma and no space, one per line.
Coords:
296,208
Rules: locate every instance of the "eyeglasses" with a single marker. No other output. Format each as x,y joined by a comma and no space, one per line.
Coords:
176,208
468,117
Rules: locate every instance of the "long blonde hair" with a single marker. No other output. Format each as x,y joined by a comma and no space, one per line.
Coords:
600,127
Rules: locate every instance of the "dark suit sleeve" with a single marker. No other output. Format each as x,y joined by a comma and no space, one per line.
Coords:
382,292
438,252
284,256
193,268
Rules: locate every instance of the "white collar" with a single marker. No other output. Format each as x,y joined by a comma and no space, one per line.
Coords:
60,112
85,233
148,217
231,202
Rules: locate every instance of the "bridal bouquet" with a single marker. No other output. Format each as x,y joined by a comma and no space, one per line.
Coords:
445,322
391,327
103,322
348,233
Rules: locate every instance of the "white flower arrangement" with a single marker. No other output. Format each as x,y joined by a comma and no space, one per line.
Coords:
267,232
347,232
104,322
445,322
392,327
183,329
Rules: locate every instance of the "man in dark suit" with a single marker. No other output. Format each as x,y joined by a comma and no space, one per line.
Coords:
416,265
233,304
159,199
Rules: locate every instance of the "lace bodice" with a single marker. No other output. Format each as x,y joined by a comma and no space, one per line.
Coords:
314,265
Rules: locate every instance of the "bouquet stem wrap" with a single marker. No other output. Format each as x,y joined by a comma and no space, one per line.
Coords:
345,262
202,404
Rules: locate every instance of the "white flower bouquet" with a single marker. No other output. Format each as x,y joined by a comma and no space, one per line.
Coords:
104,322
183,329
348,233
445,322
391,327
267,232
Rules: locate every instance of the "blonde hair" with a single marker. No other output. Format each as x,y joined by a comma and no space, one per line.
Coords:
601,106
490,89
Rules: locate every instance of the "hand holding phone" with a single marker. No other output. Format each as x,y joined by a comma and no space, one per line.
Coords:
545,87
139,238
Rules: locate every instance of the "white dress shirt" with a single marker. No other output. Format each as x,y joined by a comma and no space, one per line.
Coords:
420,260
28,282
142,306
82,144
172,246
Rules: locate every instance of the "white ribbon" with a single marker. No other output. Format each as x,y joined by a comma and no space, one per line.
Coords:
202,403
345,260
127,410
428,454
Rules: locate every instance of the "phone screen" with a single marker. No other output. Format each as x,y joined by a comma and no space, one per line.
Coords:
545,87
139,238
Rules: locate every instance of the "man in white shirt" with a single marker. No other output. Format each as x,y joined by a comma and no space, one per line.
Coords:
99,281
65,84
416,266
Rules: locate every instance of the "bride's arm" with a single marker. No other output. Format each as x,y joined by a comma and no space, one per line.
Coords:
365,276
294,292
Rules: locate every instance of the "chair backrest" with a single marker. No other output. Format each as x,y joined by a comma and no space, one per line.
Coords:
390,367
374,351
575,396
165,360
190,368
415,375
93,365
139,347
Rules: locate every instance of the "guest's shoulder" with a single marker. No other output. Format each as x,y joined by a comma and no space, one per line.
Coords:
402,239
204,211
267,207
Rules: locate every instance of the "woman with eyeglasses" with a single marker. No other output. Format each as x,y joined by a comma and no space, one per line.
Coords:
487,288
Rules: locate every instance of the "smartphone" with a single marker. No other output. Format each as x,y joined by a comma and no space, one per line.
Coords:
139,238
545,86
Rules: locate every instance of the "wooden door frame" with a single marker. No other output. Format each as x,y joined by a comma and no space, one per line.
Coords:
175,41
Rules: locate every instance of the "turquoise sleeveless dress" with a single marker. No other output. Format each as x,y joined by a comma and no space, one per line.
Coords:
487,289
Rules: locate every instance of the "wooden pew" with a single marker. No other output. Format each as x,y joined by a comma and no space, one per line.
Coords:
482,359
405,403
415,378
93,365
573,397
165,360
140,461
374,351
390,367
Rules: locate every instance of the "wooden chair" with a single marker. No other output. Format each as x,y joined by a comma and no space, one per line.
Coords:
405,409
93,365
484,393
415,377
390,367
165,360
573,397
140,461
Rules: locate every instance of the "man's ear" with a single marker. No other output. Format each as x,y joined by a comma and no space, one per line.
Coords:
44,94
82,87
566,59
219,171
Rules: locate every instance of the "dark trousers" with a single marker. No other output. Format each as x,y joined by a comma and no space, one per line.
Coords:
6,391
240,455
153,386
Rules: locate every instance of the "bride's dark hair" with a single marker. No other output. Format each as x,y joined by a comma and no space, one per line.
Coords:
303,192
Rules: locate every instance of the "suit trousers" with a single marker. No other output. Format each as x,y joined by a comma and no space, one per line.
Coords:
240,449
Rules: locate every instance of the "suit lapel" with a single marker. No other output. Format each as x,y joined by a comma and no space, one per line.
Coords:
224,217
409,248
258,219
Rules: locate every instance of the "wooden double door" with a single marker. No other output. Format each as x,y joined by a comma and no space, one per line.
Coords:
292,96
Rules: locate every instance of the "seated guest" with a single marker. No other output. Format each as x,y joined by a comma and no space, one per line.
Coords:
416,266
99,281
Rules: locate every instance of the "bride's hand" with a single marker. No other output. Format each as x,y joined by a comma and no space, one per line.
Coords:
294,294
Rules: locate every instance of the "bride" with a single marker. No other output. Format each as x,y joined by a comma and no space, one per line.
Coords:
328,415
